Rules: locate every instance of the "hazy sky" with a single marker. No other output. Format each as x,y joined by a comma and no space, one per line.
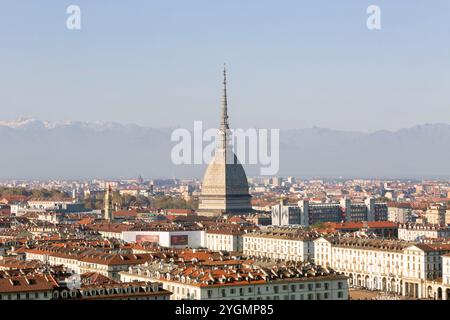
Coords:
291,63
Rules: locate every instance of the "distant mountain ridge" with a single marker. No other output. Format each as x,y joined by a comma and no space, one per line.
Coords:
35,149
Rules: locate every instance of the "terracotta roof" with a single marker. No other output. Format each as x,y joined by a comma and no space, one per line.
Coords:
246,272
180,211
429,247
95,278
27,283
125,214
359,225
13,198
8,264
116,259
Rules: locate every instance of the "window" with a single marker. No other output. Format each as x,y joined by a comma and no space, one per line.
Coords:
340,294
310,287
340,285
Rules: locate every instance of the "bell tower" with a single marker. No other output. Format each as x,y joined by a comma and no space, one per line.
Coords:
108,214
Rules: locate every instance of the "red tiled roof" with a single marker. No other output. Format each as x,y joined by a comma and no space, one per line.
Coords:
27,283
359,225
124,214
13,198
180,211
95,278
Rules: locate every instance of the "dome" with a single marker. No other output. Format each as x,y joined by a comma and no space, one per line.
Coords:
224,188
225,178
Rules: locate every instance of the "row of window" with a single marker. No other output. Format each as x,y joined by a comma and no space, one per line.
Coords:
26,296
276,289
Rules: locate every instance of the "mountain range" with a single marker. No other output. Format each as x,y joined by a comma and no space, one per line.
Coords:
34,149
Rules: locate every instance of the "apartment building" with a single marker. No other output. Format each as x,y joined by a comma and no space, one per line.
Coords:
309,213
418,232
249,280
136,290
280,243
284,214
437,214
224,240
400,212
27,287
387,265
86,260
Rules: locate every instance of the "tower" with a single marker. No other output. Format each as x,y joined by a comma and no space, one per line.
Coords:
225,187
108,214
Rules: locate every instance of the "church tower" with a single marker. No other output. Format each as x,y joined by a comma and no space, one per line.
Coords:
108,214
225,188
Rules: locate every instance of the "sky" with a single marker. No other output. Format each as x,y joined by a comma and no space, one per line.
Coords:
291,64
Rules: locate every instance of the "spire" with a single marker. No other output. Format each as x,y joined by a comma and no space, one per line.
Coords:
224,119
224,134
108,205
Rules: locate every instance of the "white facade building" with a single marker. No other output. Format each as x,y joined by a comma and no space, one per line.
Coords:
417,232
400,212
224,240
280,244
170,238
241,284
393,266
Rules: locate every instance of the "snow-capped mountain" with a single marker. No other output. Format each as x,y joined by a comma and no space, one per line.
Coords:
37,149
